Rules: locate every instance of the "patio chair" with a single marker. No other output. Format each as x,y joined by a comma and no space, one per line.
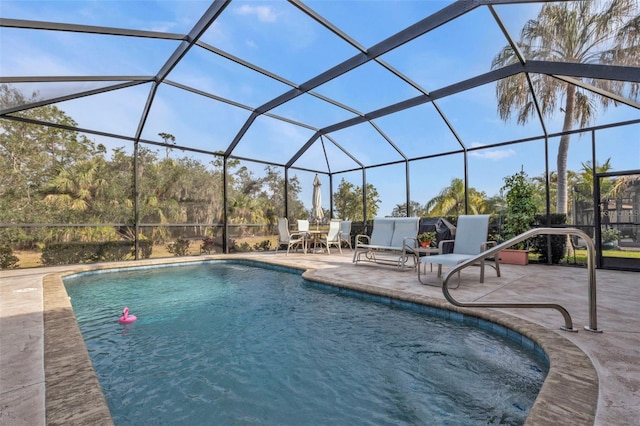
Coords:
291,239
303,226
470,240
345,233
333,236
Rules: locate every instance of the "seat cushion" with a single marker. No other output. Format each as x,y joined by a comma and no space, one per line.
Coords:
446,259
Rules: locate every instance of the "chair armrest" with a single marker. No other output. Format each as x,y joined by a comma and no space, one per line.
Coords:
442,243
297,234
365,239
488,244
405,243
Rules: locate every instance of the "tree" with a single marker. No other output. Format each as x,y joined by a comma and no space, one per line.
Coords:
609,188
373,202
119,194
521,205
76,189
30,157
584,182
296,206
167,137
347,201
50,175
450,201
400,210
580,32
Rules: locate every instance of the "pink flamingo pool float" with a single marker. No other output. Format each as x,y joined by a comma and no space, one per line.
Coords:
126,318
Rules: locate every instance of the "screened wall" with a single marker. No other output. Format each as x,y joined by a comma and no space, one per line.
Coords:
157,122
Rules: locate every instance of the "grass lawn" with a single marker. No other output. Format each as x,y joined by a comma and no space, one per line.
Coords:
581,255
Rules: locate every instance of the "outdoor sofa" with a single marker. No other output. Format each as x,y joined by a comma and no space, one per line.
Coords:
393,241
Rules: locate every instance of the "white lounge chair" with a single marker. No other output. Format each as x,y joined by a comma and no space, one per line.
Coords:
470,240
291,239
345,233
333,236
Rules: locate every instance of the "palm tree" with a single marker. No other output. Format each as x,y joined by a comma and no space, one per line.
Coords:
450,201
75,188
609,188
579,32
622,184
584,184
400,210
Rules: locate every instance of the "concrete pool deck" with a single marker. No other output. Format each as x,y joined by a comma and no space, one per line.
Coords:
594,377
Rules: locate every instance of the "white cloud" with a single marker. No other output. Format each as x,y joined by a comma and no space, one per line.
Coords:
492,154
263,13
163,27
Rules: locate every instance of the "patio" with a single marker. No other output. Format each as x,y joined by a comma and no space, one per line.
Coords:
32,348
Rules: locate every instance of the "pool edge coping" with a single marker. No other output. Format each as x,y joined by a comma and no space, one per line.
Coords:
569,394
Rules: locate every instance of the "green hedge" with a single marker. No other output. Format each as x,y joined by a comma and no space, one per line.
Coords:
7,258
89,252
558,242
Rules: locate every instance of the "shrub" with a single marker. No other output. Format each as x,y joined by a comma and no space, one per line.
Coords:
264,245
179,247
145,248
87,252
69,253
111,251
521,206
610,235
232,246
538,244
7,258
244,247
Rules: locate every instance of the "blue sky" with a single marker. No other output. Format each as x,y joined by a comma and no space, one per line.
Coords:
277,37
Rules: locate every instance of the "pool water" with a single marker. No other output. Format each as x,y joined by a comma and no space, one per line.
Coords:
223,343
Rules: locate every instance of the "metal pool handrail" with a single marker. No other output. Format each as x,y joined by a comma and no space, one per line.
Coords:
568,324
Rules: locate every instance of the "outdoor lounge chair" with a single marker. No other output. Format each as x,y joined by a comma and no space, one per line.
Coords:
345,233
333,236
470,240
291,239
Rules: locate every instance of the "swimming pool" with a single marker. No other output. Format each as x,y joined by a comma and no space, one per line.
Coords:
224,343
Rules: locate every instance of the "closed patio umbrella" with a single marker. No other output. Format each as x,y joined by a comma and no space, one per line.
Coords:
317,213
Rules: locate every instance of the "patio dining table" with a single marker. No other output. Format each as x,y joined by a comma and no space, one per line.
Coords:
314,238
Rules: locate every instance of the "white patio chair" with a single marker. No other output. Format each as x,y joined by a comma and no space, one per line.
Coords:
345,233
291,239
333,236
303,226
470,240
